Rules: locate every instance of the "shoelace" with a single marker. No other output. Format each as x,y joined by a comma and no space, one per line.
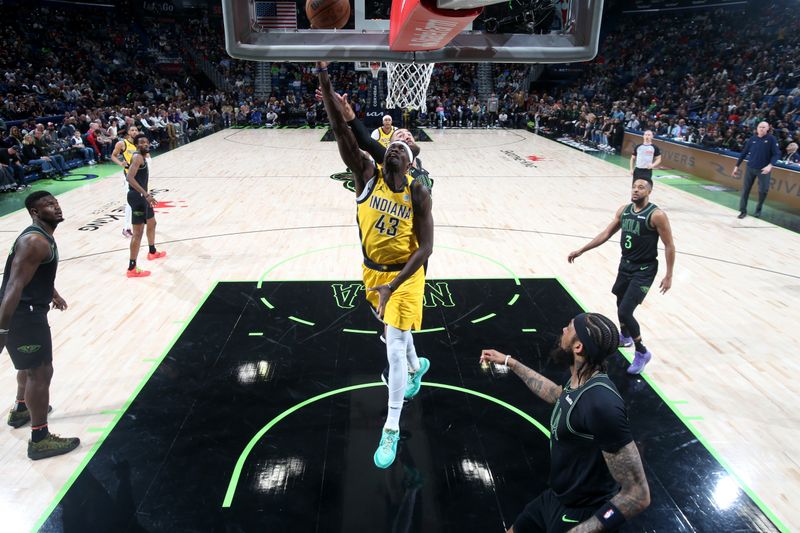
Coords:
388,440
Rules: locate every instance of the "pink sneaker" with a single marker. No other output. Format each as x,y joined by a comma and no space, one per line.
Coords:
137,273
157,255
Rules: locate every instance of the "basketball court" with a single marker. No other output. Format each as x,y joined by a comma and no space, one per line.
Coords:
237,388
239,383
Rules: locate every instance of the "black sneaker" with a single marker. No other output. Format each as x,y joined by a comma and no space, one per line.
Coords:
18,419
51,445
742,215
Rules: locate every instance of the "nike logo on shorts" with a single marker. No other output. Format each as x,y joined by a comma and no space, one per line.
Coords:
568,520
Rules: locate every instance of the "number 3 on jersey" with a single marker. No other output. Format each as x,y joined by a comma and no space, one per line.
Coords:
628,242
391,229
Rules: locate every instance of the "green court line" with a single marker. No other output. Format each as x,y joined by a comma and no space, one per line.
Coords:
429,330
528,330
679,402
696,432
110,411
362,331
99,430
486,317
692,418
514,299
292,258
58,497
256,334
498,263
266,302
301,321
237,471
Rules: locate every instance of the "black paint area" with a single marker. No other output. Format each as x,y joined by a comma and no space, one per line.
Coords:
464,463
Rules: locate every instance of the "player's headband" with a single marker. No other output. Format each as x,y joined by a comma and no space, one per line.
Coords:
406,146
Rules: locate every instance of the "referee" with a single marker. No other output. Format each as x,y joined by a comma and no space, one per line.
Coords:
597,481
645,158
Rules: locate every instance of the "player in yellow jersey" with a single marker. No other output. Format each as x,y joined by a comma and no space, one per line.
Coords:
126,148
396,228
384,134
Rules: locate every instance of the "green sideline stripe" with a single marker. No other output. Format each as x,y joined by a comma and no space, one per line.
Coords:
237,471
256,334
301,321
487,317
429,330
513,300
362,331
117,418
99,430
528,330
714,453
266,302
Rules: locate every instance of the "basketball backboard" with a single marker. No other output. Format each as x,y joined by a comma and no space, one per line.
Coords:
515,31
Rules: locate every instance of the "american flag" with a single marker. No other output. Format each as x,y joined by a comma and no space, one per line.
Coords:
276,15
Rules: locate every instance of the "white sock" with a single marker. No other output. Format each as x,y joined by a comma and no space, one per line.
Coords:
398,370
411,353
128,217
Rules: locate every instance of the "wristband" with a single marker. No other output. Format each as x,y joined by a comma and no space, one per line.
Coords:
610,517
506,363
3,332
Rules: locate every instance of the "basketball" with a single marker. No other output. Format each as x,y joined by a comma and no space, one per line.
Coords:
328,14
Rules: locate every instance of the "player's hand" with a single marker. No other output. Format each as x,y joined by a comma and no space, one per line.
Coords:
735,171
573,256
59,303
767,169
344,105
492,356
666,284
384,293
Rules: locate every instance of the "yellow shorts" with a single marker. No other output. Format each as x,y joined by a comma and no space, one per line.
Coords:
404,308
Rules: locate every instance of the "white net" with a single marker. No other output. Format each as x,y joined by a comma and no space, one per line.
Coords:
408,84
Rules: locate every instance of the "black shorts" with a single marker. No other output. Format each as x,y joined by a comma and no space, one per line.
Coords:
29,342
546,514
141,211
636,277
639,173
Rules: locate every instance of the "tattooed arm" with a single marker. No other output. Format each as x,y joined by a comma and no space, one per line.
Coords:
634,497
537,383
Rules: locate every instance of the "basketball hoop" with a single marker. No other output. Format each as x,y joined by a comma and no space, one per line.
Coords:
408,84
375,68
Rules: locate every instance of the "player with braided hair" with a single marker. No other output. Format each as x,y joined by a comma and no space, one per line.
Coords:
596,476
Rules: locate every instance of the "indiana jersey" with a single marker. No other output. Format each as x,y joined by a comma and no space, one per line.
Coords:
128,153
386,221
383,137
639,236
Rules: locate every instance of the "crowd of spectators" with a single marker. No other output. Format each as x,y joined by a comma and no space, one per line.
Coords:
706,78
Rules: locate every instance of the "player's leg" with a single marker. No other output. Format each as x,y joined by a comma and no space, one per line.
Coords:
637,290
747,184
152,253
619,289
398,371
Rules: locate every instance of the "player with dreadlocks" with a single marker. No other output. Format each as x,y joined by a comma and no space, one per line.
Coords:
596,476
